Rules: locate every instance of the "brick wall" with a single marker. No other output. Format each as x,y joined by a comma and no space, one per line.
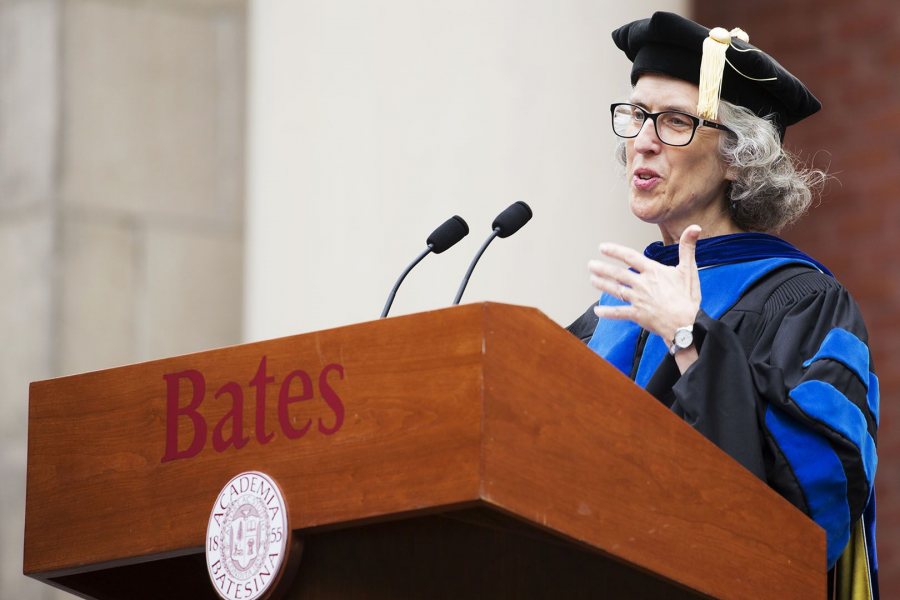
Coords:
848,53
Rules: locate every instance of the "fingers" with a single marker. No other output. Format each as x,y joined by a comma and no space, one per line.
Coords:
657,297
604,270
630,257
615,312
611,287
687,247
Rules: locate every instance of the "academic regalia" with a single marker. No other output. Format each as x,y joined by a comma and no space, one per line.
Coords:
784,384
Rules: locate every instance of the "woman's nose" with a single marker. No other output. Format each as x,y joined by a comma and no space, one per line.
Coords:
646,139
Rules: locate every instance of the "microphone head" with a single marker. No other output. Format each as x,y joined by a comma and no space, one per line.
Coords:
512,219
447,234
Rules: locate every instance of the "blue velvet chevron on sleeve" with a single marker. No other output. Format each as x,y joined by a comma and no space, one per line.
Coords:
826,429
839,441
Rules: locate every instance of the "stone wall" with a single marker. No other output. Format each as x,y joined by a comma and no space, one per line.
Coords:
121,200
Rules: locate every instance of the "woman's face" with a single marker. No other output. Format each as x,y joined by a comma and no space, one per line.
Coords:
671,186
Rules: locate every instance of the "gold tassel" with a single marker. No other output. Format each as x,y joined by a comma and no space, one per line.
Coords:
740,34
712,68
851,573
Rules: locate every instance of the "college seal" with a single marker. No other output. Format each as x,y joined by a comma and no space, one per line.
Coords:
247,537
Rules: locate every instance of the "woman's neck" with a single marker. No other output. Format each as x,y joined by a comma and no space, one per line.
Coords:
671,232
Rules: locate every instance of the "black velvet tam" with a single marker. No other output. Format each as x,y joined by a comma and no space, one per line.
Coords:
669,44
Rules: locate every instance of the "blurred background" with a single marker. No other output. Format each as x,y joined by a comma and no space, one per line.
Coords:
177,175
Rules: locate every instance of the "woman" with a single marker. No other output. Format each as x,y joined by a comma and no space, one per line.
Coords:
751,341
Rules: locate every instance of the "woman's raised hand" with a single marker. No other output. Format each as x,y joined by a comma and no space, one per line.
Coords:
660,298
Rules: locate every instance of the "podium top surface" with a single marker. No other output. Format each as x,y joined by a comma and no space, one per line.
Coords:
482,404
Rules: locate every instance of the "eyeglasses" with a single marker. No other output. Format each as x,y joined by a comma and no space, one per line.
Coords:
673,128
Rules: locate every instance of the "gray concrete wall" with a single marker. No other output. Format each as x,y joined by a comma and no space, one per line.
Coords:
372,122
121,200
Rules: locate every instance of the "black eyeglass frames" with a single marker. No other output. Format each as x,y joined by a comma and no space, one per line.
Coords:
673,128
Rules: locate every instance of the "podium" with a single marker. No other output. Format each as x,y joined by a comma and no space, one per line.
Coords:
479,451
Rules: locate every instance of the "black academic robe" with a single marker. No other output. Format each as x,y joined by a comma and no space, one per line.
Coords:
785,385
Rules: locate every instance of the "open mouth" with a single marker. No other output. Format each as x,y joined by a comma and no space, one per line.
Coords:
645,174
645,179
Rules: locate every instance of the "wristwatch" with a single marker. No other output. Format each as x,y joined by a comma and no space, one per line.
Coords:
683,338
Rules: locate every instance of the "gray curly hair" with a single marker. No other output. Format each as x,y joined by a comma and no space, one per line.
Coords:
771,188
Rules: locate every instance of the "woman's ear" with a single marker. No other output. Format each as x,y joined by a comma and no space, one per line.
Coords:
730,174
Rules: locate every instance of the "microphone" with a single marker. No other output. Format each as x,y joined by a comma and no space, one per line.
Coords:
444,237
507,223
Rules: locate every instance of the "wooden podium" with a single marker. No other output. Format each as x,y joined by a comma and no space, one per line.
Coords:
474,452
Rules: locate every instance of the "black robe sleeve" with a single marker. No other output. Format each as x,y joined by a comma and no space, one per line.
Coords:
784,384
583,327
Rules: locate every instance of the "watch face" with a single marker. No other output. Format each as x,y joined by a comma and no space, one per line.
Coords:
683,338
